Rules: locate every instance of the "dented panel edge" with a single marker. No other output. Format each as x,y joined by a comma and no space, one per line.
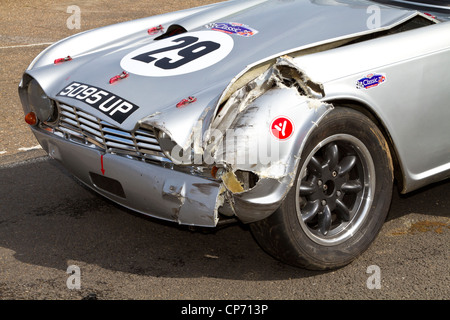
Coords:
282,90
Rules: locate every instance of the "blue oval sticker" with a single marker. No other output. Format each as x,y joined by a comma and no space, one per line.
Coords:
232,28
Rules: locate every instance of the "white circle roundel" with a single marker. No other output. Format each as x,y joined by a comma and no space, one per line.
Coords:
181,54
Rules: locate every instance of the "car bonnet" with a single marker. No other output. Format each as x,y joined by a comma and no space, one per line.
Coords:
194,68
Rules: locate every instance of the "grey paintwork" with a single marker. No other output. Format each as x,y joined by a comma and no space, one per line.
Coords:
411,105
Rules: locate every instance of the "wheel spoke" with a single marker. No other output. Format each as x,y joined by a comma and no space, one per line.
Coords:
325,221
314,165
342,211
307,188
310,210
346,165
353,186
332,155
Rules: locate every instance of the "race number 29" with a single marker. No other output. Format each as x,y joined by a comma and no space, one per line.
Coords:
179,55
192,51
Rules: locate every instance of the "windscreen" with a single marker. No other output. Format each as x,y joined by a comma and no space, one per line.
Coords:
442,6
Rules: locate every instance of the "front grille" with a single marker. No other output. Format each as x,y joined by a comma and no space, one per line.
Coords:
79,126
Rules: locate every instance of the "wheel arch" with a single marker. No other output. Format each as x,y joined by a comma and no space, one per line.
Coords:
369,112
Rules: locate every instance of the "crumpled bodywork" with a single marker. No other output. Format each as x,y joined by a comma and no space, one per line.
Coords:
282,90
255,168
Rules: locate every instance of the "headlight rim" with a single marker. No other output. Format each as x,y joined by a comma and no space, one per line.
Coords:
40,103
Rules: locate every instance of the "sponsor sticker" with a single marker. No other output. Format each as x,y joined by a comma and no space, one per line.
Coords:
282,128
181,54
371,80
110,104
235,28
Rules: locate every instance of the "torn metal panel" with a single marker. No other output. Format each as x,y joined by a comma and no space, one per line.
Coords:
239,111
275,166
247,144
281,72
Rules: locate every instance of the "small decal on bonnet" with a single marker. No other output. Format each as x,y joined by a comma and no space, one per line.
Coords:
371,80
233,28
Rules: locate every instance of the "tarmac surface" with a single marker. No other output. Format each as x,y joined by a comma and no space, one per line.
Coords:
49,222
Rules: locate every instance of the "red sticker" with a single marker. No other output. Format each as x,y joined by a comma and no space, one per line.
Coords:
282,128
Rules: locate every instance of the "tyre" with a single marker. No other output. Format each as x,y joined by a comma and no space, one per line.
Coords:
340,199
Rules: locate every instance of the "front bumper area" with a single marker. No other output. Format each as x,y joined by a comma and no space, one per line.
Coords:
143,187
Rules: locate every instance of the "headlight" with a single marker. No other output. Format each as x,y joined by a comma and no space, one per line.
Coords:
40,103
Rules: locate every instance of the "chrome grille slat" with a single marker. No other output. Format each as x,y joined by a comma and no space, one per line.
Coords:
116,132
140,144
145,133
118,139
146,139
120,146
91,130
82,114
66,114
143,146
88,122
70,121
106,124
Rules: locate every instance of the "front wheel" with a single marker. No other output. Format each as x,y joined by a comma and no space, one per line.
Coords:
340,198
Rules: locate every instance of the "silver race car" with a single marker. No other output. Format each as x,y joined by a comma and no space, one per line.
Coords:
293,116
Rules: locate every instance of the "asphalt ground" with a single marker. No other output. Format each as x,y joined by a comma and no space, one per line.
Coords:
49,222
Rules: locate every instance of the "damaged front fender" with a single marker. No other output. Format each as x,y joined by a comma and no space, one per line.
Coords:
257,151
251,148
